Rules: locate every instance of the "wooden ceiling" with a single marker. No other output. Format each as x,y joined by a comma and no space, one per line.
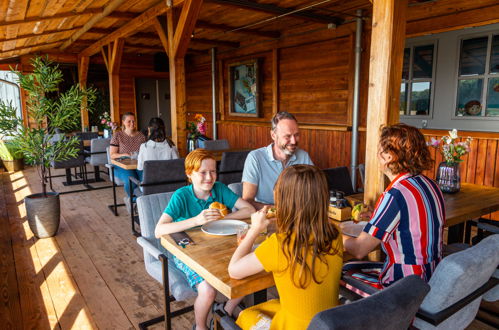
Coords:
76,26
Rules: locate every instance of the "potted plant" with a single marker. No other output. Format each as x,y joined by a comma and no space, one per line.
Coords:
11,157
49,111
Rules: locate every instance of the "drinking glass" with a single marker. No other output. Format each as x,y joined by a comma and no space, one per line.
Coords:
241,233
134,155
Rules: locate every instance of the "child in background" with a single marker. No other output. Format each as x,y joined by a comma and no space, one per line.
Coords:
188,208
305,256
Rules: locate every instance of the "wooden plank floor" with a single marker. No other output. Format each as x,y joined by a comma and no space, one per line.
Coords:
90,276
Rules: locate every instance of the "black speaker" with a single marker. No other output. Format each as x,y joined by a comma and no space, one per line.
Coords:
161,62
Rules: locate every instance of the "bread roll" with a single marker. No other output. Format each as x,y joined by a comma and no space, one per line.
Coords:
220,207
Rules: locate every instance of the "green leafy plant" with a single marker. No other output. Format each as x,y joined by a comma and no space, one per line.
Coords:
48,110
9,151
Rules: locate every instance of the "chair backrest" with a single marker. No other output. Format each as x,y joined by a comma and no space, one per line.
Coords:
163,175
98,151
150,209
231,166
77,161
237,188
338,178
116,180
391,308
87,135
216,144
455,277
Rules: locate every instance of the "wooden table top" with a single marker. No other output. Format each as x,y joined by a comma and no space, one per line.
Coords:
472,201
127,164
210,256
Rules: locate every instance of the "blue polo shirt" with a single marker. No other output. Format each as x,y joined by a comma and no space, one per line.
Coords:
184,204
262,169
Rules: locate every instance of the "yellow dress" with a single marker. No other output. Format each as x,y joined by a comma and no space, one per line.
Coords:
296,307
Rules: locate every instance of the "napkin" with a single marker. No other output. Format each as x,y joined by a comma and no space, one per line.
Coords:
181,237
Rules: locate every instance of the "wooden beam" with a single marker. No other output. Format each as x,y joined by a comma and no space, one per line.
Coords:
44,33
185,27
113,60
385,72
213,42
134,25
275,81
68,14
225,28
116,55
94,20
162,30
273,9
83,63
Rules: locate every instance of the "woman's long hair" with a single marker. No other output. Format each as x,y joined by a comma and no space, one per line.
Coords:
157,131
302,200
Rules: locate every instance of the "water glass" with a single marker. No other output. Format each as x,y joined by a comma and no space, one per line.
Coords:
134,155
241,233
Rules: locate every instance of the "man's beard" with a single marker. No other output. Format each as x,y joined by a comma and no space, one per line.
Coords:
288,152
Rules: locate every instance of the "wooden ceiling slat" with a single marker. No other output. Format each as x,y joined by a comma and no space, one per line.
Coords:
31,46
272,9
15,11
224,27
95,19
134,25
46,18
47,32
214,42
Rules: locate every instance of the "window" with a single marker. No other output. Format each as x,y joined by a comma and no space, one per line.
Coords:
417,80
478,77
9,90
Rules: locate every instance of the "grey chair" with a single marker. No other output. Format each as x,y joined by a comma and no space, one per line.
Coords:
338,178
215,145
158,262
237,188
87,135
457,286
116,182
76,162
98,155
391,308
158,176
231,166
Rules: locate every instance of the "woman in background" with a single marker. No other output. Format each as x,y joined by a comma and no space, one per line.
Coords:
126,143
158,145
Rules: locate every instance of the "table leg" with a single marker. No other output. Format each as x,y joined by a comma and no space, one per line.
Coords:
97,174
69,180
455,233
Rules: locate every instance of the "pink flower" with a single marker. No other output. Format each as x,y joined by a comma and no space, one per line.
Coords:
103,121
434,142
201,126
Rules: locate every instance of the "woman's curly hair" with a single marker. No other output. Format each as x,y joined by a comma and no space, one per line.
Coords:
407,146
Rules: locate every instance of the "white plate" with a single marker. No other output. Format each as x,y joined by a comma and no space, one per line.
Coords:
351,228
223,227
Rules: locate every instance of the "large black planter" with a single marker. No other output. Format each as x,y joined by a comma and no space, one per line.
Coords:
44,214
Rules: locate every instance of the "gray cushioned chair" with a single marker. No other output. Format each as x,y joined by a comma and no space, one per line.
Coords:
457,287
159,176
231,166
214,144
97,155
237,188
76,162
338,178
391,308
158,261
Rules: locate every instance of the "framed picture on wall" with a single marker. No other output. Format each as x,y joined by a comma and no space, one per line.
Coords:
244,89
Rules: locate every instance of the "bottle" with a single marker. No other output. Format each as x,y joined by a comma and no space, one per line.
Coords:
332,198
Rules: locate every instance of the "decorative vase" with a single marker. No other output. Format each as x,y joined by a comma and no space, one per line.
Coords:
448,177
191,144
107,133
43,214
13,165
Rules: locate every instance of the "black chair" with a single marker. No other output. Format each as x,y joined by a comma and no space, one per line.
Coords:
159,176
231,166
76,162
338,178
391,308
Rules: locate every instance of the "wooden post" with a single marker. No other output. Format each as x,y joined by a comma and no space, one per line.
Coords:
275,81
385,74
179,35
112,59
83,63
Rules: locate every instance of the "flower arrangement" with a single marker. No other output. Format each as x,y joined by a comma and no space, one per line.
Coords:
105,120
198,128
450,148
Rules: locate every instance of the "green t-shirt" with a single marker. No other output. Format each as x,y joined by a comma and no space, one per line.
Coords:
184,204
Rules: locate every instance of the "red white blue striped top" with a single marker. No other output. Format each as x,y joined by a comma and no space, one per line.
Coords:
409,219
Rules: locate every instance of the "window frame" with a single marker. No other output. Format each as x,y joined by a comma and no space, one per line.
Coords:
485,76
411,80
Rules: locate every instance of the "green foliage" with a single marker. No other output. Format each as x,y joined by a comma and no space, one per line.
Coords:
9,151
49,109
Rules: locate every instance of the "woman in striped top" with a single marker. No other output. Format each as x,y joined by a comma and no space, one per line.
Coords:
123,144
408,218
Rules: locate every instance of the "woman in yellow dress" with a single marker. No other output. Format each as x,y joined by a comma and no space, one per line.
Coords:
305,256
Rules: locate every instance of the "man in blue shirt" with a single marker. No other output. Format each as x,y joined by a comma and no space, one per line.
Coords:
264,165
